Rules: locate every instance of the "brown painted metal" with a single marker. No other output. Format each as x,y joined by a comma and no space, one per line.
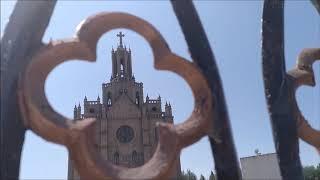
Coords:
40,117
303,74
21,48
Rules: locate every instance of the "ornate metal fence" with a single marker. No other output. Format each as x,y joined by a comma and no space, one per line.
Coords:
26,61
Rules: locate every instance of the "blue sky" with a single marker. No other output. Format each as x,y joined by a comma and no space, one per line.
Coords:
234,32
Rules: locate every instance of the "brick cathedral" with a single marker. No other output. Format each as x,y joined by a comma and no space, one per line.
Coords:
126,132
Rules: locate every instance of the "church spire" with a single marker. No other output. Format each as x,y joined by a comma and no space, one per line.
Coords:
121,61
75,112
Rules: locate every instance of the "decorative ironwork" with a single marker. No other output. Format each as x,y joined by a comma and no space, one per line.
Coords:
75,135
20,41
303,74
35,60
287,121
220,136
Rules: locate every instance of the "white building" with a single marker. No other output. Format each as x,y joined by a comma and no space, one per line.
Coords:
260,167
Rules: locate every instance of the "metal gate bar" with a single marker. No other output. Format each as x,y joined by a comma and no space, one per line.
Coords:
280,104
223,149
21,39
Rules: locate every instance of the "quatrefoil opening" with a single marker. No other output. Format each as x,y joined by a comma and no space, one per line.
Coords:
303,75
40,117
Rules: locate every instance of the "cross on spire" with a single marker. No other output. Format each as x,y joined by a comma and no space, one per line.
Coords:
120,35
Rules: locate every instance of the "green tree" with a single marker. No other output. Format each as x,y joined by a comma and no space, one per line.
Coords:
182,176
212,177
189,175
311,172
202,177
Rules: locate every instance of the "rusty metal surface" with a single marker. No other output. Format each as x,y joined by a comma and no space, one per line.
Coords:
278,98
303,74
288,123
276,91
40,117
221,140
21,39
35,61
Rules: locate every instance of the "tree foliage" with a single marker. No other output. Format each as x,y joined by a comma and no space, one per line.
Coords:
202,177
311,172
189,175
212,176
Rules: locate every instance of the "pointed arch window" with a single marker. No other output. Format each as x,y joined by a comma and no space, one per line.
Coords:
109,101
134,157
116,158
137,98
121,68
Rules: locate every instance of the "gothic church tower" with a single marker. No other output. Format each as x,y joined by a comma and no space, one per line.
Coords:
126,132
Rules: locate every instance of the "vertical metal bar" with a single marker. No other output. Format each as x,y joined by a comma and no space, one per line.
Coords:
316,4
277,93
225,157
21,39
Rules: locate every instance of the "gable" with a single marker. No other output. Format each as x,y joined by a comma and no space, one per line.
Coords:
123,108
